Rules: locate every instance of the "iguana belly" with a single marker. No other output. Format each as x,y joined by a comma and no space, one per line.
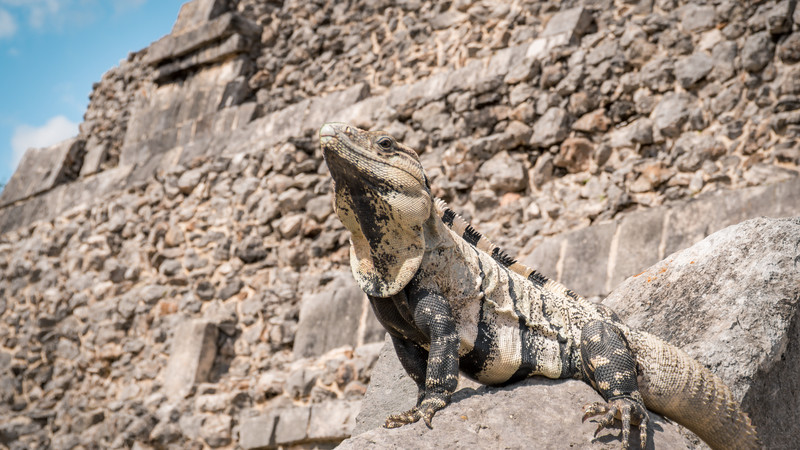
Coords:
506,332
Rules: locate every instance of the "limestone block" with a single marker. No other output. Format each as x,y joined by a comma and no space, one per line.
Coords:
94,156
707,214
363,113
198,12
330,318
544,258
389,391
735,298
585,261
41,169
244,114
572,22
192,353
176,45
430,89
233,44
292,424
280,125
257,432
638,240
332,420
324,109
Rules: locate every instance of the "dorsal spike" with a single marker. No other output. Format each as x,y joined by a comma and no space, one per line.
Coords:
457,223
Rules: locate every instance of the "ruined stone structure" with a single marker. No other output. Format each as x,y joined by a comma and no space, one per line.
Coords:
174,275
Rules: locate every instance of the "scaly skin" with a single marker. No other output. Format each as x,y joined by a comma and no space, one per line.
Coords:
452,301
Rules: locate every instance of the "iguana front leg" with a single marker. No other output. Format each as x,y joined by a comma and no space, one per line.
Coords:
433,317
610,367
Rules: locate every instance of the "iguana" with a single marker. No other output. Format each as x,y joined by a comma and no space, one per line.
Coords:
451,300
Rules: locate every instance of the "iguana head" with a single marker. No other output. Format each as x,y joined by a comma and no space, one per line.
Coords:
382,196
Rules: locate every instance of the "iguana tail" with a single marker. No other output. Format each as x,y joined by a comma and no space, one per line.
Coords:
674,384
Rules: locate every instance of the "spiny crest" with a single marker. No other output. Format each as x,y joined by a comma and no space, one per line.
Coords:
477,240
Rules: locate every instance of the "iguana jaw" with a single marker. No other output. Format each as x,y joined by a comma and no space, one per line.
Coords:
382,197
344,145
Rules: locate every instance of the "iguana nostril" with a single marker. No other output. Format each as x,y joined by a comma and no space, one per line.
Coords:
327,130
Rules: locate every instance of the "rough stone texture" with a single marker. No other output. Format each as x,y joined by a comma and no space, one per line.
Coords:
589,247
671,113
692,69
316,334
731,301
573,22
538,413
629,248
390,390
757,52
551,128
192,354
200,192
257,432
41,169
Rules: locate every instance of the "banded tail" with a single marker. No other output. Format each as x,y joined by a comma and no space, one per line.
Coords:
679,387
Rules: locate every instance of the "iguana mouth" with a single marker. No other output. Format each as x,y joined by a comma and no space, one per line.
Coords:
343,153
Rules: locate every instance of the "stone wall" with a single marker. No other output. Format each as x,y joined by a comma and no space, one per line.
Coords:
175,275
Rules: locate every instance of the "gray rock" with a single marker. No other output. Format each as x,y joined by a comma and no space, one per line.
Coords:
572,22
292,424
189,180
389,391
727,99
320,207
41,169
216,430
657,74
329,317
724,54
779,19
789,49
695,18
690,70
551,128
231,288
671,113
535,413
504,173
694,149
205,290
251,250
257,432
192,353
542,170
170,267
735,293
757,51
332,420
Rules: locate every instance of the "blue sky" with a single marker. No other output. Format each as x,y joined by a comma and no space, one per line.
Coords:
51,51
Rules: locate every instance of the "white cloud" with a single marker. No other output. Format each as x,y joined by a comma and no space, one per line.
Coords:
55,14
54,131
8,26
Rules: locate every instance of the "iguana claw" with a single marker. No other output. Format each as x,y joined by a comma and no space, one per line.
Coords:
625,409
425,411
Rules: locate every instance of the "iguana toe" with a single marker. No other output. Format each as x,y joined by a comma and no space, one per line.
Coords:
627,410
404,418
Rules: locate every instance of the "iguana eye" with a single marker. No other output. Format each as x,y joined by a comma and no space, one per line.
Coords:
385,143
